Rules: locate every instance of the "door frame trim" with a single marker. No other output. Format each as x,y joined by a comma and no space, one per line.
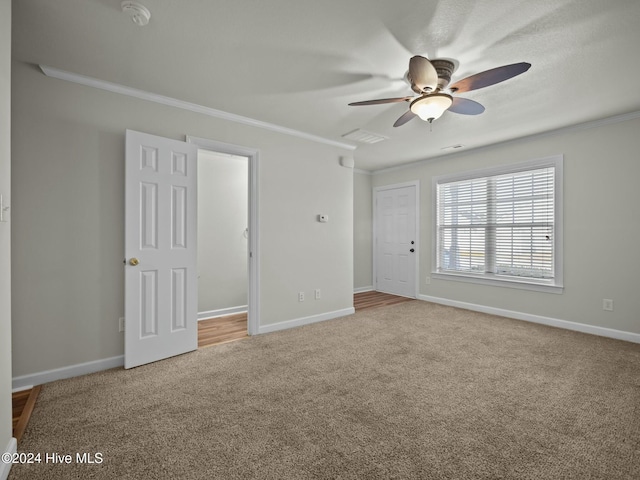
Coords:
375,191
253,297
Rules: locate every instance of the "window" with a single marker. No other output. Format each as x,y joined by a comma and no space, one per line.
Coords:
501,226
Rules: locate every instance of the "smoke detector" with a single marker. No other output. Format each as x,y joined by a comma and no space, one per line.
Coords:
139,14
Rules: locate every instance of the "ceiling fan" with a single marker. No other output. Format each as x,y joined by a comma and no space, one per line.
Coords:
430,80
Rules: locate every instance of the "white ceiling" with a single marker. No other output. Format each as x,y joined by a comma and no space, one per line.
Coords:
298,63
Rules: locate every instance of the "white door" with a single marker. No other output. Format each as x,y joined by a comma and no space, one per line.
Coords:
396,240
161,292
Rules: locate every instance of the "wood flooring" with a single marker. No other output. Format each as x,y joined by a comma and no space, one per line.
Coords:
377,299
213,331
23,403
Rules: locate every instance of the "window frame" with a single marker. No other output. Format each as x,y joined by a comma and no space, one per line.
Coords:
552,285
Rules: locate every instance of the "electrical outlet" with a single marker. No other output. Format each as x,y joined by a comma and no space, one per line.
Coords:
427,280
121,324
607,304
317,294
301,296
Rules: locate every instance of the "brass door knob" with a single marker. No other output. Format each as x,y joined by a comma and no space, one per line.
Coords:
134,261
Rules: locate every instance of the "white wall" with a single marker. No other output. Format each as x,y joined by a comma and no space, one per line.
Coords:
601,227
5,230
223,214
362,231
68,170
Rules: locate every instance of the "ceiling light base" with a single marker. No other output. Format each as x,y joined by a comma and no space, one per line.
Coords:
430,107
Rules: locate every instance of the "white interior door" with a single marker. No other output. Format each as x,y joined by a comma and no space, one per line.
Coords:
396,240
161,292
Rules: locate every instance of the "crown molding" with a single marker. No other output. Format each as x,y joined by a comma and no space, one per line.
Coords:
192,107
549,133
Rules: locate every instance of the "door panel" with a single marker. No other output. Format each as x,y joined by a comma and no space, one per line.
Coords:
395,230
179,299
149,303
160,233
178,217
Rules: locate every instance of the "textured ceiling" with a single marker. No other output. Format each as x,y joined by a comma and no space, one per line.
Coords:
298,63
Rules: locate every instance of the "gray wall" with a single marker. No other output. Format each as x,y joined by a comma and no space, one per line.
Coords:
68,172
223,205
362,231
5,232
601,227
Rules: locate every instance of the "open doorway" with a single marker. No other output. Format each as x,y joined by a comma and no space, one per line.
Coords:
223,247
250,230
161,256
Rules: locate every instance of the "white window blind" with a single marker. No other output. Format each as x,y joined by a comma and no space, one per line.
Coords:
499,225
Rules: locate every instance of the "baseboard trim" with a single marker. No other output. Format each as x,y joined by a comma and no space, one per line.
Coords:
22,388
363,289
67,372
221,312
12,447
298,322
527,317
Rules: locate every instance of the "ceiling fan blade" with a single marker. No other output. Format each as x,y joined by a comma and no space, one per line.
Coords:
422,74
465,106
381,100
408,115
490,77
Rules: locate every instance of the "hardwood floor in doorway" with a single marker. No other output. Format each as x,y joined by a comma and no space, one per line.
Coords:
214,331
23,403
377,299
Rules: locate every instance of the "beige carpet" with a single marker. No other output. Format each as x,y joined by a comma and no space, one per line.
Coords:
414,390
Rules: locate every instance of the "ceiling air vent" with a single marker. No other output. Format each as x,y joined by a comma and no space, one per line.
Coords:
363,136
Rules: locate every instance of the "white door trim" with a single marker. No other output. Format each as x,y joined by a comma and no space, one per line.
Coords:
253,320
375,191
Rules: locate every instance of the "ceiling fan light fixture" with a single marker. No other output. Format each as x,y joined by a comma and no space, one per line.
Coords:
431,107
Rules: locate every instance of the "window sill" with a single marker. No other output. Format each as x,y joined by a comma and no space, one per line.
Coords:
507,282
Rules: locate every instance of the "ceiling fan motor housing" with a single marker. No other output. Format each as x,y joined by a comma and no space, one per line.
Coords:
445,70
